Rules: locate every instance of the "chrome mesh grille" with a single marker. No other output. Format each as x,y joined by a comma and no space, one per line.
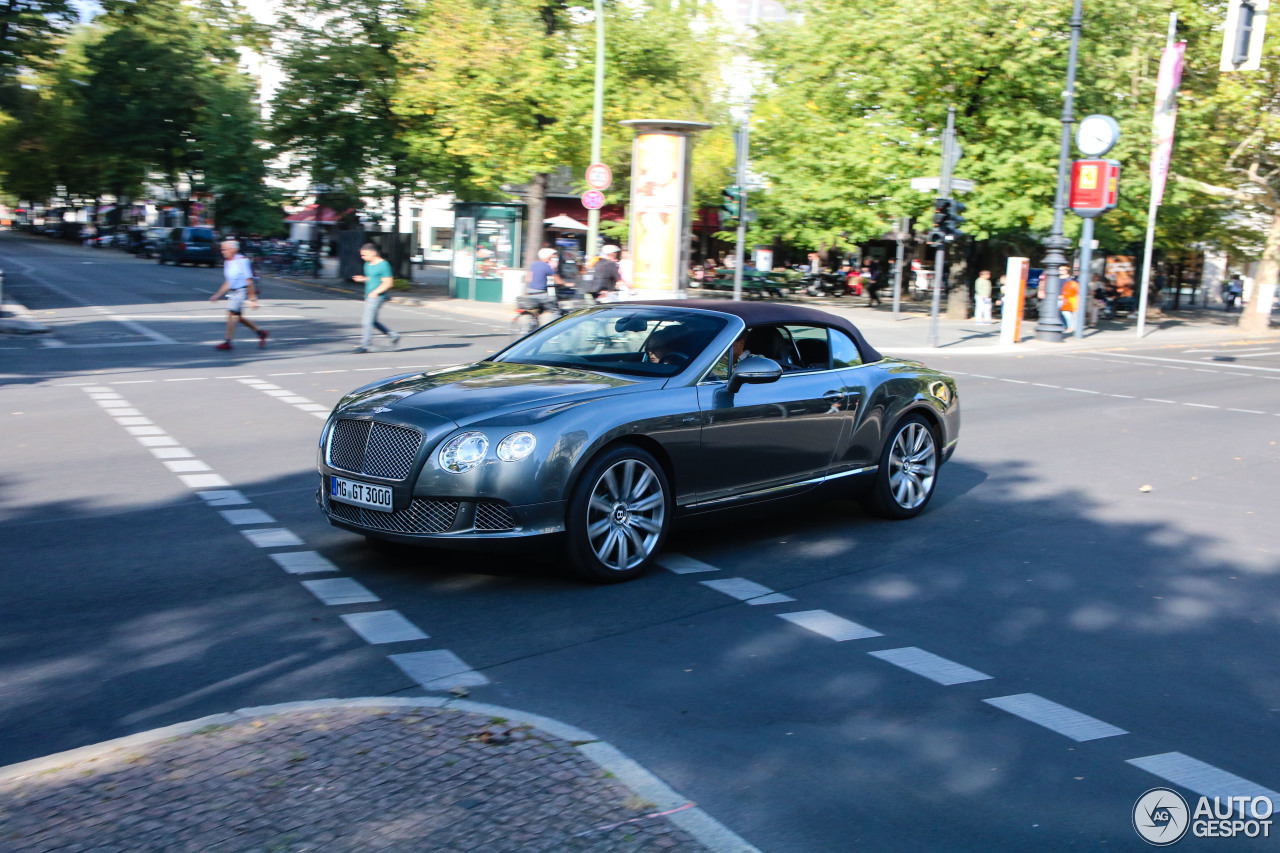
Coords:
493,516
346,444
422,516
390,451
376,449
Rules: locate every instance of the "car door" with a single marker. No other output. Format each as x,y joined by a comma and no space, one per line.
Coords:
862,447
770,438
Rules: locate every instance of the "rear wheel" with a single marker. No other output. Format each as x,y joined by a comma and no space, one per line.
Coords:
523,324
619,515
908,471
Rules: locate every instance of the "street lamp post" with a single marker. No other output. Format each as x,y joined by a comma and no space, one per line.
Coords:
597,115
1050,326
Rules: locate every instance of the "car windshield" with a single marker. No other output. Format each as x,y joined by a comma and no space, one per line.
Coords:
635,341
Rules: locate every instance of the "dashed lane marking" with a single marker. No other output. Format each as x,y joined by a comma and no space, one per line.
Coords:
383,626
223,497
1058,718
438,669
335,591
1197,363
1158,400
748,591
246,516
931,666
303,562
682,565
273,537
829,625
1205,779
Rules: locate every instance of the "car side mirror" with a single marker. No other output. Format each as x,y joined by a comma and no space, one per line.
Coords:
754,370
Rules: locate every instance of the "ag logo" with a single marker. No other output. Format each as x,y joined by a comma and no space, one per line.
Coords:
1161,816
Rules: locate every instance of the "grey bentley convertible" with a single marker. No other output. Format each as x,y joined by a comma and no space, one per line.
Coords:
610,424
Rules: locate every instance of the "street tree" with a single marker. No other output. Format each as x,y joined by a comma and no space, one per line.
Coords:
1239,161
507,88
840,131
333,117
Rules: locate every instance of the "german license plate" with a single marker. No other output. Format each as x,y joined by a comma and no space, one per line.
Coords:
360,494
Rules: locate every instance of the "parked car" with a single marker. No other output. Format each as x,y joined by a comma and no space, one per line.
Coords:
609,424
193,244
151,239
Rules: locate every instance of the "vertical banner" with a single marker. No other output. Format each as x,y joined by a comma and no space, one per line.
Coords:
1166,116
657,209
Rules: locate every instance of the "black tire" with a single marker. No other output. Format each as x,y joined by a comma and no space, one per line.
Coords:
908,474
619,515
160,259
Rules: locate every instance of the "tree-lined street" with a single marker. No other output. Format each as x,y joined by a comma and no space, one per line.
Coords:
1101,540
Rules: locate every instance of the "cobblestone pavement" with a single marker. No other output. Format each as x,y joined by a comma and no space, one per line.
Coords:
340,779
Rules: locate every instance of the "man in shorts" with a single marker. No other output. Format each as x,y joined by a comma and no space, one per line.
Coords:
238,285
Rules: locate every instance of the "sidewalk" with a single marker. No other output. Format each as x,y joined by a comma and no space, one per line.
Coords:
909,334
425,774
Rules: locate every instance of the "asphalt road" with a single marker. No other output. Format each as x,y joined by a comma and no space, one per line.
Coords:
1104,539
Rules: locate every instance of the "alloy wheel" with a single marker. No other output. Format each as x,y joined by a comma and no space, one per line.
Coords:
626,514
913,464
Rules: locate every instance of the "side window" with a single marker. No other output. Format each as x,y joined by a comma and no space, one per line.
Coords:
176,235
811,347
719,371
844,352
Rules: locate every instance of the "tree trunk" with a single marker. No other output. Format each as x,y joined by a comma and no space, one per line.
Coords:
1256,316
537,201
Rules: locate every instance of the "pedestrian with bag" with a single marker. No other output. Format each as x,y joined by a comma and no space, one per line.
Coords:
377,280
239,287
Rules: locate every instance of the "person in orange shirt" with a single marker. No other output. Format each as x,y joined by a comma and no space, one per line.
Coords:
1069,293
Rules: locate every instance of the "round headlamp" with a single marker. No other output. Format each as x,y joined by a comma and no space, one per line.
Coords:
463,452
516,446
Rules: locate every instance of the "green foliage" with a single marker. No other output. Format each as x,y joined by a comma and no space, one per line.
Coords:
843,129
150,91
506,88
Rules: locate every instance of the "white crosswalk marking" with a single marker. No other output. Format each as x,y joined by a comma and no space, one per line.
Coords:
830,625
1059,718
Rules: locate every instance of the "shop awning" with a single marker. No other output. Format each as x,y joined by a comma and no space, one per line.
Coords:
310,214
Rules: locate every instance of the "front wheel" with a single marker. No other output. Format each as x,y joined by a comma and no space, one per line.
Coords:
908,471
618,516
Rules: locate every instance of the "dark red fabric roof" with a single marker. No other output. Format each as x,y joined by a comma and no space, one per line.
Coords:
763,313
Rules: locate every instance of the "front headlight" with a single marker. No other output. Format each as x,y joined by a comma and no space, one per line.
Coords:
463,452
516,446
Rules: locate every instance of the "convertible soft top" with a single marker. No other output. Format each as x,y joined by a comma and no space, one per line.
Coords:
761,313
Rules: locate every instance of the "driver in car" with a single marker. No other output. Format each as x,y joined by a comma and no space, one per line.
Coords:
667,346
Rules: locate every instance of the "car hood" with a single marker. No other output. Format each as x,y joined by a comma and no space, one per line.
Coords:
485,389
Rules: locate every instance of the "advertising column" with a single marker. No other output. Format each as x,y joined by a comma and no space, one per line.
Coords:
660,209
1015,289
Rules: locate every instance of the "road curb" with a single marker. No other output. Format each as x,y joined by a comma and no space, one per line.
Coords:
706,830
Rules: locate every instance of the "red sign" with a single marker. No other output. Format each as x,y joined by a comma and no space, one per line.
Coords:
593,199
1095,186
599,176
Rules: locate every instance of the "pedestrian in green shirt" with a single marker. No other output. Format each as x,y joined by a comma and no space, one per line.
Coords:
982,290
377,281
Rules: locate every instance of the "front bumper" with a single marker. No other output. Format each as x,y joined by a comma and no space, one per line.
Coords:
443,521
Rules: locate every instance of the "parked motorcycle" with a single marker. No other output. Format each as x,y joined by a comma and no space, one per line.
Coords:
824,284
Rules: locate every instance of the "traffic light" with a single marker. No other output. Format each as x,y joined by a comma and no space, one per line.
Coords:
731,203
956,220
946,221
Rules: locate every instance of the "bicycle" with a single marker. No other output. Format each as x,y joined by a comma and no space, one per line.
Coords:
529,311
